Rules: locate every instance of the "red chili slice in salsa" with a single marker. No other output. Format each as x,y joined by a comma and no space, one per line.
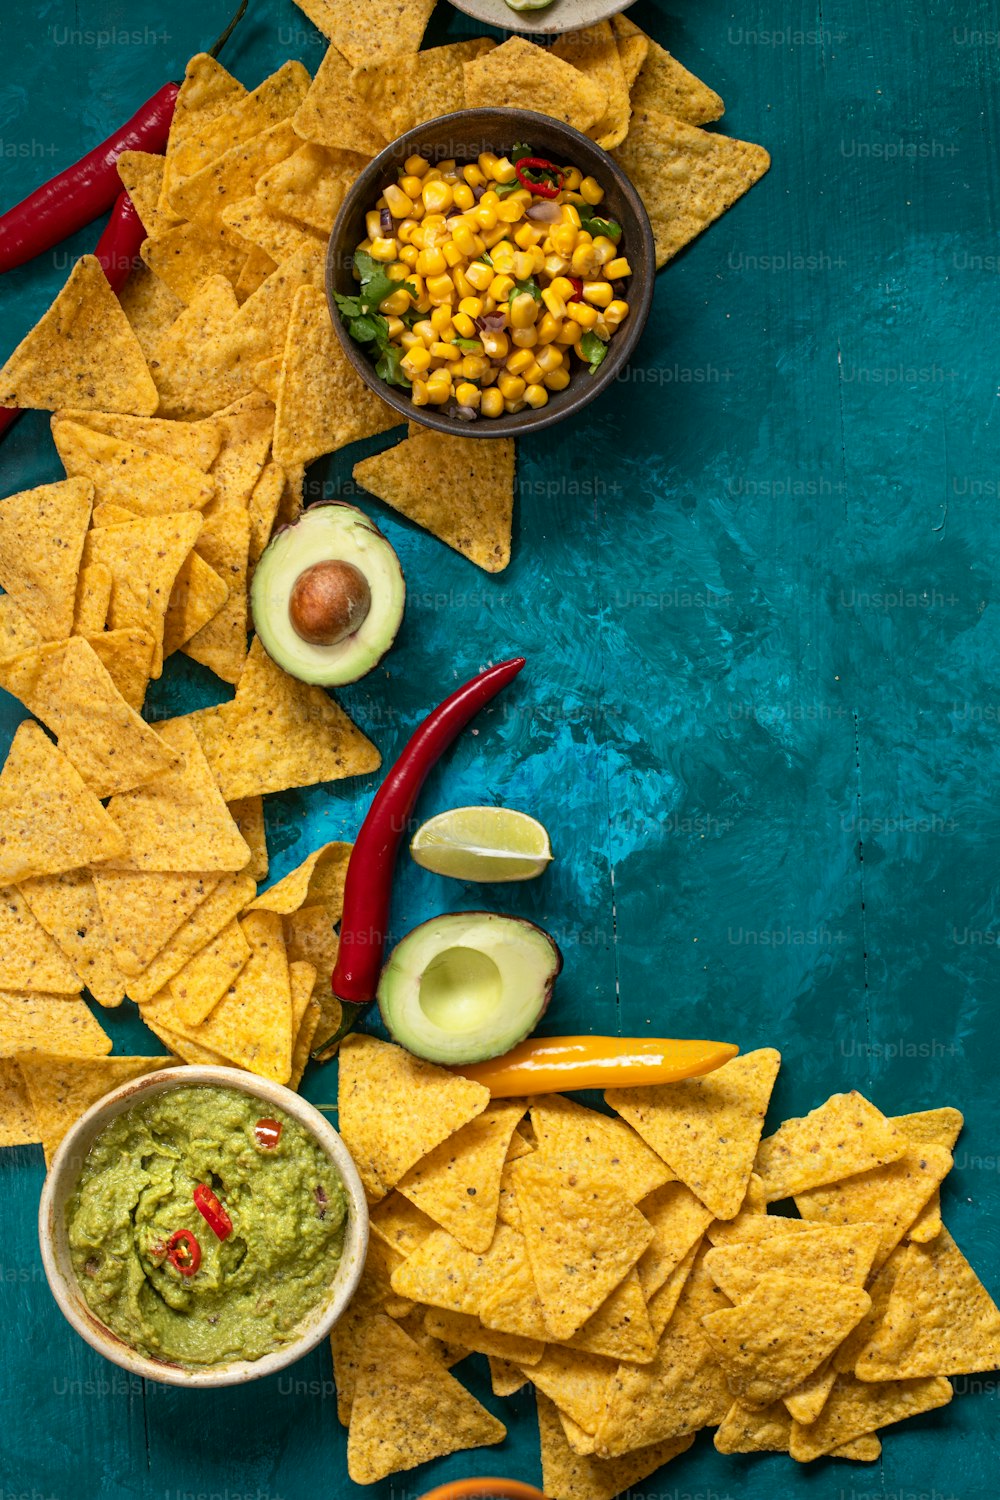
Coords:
184,1252
540,176
267,1133
212,1212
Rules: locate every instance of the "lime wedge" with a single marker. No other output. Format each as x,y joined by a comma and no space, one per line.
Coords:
482,843
528,4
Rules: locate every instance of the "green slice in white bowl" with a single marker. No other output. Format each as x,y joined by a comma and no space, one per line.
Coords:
482,843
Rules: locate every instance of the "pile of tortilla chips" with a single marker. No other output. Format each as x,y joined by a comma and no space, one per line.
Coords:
629,1267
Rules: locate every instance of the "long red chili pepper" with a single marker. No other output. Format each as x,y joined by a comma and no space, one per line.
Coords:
368,888
541,188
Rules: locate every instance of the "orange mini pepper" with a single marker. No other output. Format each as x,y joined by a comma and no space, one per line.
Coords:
560,1064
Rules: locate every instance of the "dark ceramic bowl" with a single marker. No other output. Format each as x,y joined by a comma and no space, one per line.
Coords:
464,135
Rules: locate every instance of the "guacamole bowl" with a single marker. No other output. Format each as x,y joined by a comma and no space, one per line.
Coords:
274,1263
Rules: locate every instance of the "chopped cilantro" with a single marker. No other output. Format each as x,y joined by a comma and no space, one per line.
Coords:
531,285
595,225
471,346
593,350
365,323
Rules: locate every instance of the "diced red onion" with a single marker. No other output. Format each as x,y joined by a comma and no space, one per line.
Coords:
466,413
544,212
477,191
491,322
385,223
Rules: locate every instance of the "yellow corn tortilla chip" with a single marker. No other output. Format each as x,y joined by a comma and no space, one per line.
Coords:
195,443
332,115
347,1339
127,657
207,91
679,1220
786,1328
17,1118
402,1227
573,1136
940,1319
594,51
891,1196
67,907
398,93
67,686
855,1409
224,901
384,1127
748,1223
231,177
211,136
221,643
63,1088
830,1253
247,426
150,308
310,184
577,1383
263,507
663,1303
141,911
528,77
42,533
204,979
196,598
621,1327
318,879
49,820
141,174
461,490
377,28
293,496
469,1333
93,599
180,820
930,1127
408,1409
306,1013
254,272
310,937
582,1237
260,328
267,376
322,404
124,473
810,1396
183,254
49,1023
572,1476
302,1046
81,352
29,958
845,1135
580,1441
496,1287
186,360
769,1430
248,815
276,234
186,1050
279,733
707,1129
662,83
633,48
144,557
458,1183
505,1378
686,177
17,634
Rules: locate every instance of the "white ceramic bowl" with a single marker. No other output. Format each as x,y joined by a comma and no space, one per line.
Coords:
561,15
62,1180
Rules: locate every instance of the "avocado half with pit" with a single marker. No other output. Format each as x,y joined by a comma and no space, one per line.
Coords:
328,595
463,988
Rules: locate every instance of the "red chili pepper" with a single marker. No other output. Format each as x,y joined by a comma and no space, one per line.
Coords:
577,289
118,247
212,1212
368,887
184,1252
541,189
267,1134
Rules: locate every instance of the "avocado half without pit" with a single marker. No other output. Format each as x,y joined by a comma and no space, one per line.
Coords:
328,595
463,988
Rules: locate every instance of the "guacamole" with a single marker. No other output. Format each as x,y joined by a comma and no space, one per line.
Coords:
232,1279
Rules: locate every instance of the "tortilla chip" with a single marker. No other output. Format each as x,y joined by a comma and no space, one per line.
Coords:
17,1118
458,1183
782,1332
17,634
364,30
124,473
843,1136
232,177
254,272
82,352
279,733
248,815
395,1108
221,644
891,1196
686,177
291,505
496,1287
212,136
145,558
940,1319
322,404
49,820
150,307
571,1476
408,1409
186,1050
310,936
331,113
469,1333
621,1327
63,1088
505,1378
93,599
142,911
204,979
679,1220
195,443
401,1226
67,907
141,174
577,1383
399,93
707,1129
263,509
930,1127
855,1409
808,1398
571,1135
461,490
319,879
310,184
29,959
187,363
663,1303
180,820
633,48
196,598
276,234
594,51
42,534
348,1337
662,83
582,1236
247,426
528,77
207,91
223,902
835,1253
67,686
49,1023
302,977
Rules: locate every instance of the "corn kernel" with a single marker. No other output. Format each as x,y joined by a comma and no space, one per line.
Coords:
418,393
604,249
438,197
501,287
438,394
617,269
591,191
583,261
537,259
503,170
464,196
423,303
489,304
409,184
512,407
503,258
485,216
405,231
425,331
524,338
440,319
549,359
373,223
474,366
416,166
563,287
615,313
467,394
495,344
440,288
431,262
548,327
366,244
554,302
433,174
523,311
572,177
555,266
385,250
410,340
527,237
563,239
464,239
474,175
510,210
418,237
417,283
557,380
602,330
449,352
492,403
582,314
452,255
492,237
571,216
489,376
534,374
408,255
463,325
418,209
536,396
396,326
471,306
597,293
512,386
519,361
416,361
447,168
523,265
399,204
570,333
398,271
487,161
395,304
463,286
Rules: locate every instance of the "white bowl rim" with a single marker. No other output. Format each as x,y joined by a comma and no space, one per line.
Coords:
64,1172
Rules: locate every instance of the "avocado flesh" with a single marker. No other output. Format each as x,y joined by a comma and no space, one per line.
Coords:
325,532
467,987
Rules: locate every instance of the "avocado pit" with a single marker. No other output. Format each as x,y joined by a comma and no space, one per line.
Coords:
329,601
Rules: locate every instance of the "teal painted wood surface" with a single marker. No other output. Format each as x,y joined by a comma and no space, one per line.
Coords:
755,589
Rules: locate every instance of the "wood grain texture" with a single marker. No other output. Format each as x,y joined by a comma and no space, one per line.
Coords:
754,586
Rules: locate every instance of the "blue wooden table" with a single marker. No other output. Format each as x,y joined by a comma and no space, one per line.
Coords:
754,586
